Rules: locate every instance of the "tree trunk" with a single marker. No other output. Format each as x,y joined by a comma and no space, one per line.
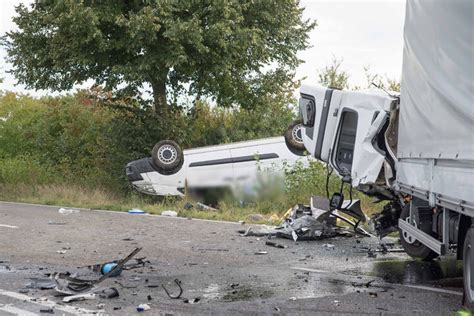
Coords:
158,86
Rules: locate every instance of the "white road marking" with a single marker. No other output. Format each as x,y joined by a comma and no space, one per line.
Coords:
8,226
16,311
433,289
309,270
48,303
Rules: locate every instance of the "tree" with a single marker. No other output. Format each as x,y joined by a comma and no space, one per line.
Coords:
333,76
232,51
382,82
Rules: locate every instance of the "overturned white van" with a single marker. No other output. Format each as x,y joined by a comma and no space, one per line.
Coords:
170,170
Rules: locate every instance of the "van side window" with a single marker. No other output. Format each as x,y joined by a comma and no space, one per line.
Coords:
308,110
346,141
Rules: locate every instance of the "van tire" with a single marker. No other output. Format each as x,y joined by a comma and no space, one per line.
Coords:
294,138
468,263
414,248
167,156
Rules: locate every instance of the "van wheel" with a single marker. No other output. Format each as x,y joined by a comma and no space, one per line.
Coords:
294,137
167,156
413,247
468,262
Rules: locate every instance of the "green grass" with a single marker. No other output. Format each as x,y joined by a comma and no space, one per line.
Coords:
272,202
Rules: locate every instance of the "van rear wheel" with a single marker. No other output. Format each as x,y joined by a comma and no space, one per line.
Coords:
413,247
167,156
468,262
294,137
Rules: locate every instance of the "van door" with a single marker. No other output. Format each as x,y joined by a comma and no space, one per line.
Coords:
209,167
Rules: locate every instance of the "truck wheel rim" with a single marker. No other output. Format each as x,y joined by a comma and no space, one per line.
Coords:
408,237
167,154
296,133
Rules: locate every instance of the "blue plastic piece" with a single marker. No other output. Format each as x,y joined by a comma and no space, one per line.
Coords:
107,267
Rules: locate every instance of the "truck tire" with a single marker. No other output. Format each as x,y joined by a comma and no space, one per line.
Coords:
413,247
468,262
167,156
294,138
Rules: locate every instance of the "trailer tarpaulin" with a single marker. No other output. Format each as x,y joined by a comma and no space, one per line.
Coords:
437,90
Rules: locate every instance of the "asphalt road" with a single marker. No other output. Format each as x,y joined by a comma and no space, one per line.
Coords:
215,265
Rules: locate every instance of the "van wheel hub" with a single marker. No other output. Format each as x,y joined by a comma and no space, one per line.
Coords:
296,133
408,237
167,154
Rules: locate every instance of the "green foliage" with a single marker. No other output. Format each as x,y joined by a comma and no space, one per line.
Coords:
333,76
210,48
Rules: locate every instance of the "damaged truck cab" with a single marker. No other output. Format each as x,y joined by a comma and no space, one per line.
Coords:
346,129
416,150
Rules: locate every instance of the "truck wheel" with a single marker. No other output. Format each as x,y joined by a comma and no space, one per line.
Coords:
468,262
294,137
167,157
413,247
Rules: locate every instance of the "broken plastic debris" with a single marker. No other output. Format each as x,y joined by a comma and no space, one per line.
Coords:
79,297
109,293
292,298
47,311
169,213
274,244
143,307
107,267
8,226
261,252
136,211
192,300
178,283
328,246
67,211
188,206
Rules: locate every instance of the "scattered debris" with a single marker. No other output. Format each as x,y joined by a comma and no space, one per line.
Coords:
261,252
169,213
62,251
192,300
79,297
23,291
241,222
371,254
41,284
69,285
178,283
100,306
109,293
136,211
274,244
68,211
188,206
109,266
373,294
213,249
328,246
47,311
258,231
203,206
143,307
292,298
277,309
8,226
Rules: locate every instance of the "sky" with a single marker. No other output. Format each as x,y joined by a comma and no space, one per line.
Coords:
361,33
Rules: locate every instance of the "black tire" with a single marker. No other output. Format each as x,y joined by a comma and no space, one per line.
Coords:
468,262
294,138
413,247
167,156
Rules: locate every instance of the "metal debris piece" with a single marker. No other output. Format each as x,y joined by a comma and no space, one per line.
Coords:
178,283
47,311
274,244
69,285
261,252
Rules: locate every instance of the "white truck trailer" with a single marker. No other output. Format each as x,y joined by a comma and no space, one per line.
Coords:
414,150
